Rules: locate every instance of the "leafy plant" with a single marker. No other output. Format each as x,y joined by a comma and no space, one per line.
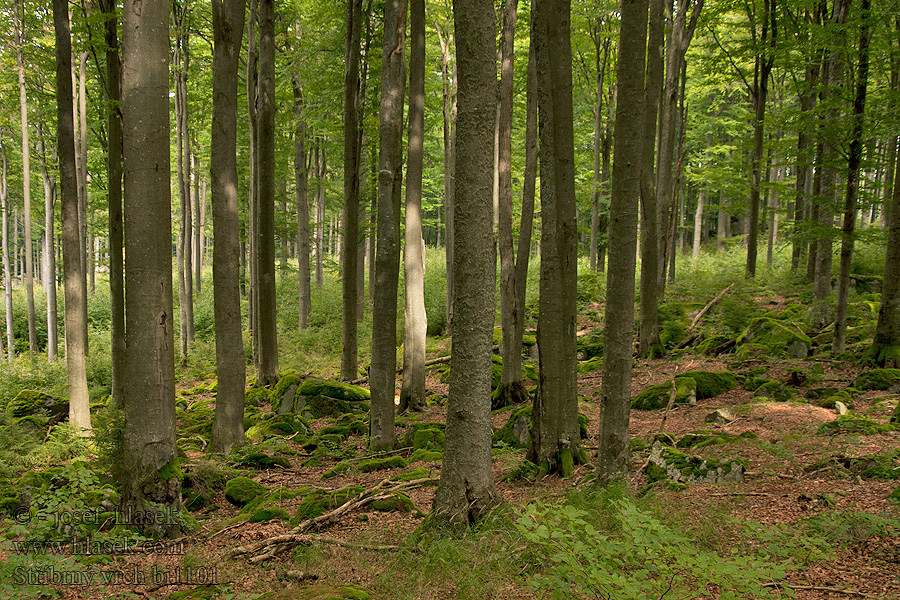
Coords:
639,557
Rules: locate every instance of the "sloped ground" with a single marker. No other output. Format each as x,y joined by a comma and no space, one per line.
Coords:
789,478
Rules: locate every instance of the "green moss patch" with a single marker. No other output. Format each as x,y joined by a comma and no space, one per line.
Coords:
382,464
781,337
32,402
774,390
855,424
708,345
878,379
269,513
240,491
396,503
334,389
711,383
516,432
657,396
669,463
319,502
261,460
426,456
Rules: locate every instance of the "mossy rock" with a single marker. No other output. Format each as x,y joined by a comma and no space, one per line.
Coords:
702,438
840,396
780,337
657,396
409,437
582,426
516,433
530,371
858,424
340,430
708,345
32,402
412,474
817,393
261,460
382,464
318,502
774,390
240,491
668,463
328,446
524,471
711,383
749,351
588,351
590,365
426,456
881,355
269,513
895,416
431,438
288,378
257,396
751,384
397,502
877,379
331,439
342,467
319,592
334,389
286,424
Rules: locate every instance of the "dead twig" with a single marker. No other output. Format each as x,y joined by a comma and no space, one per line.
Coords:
818,588
273,546
707,307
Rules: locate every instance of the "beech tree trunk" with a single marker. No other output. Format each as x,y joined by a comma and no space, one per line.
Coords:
26,182
648,336
466,490
49,255
267,331
304,304
382,376
613,452
448,76
412,391
7,270
349,253
853,175
79,401
228,422
555,432
512,390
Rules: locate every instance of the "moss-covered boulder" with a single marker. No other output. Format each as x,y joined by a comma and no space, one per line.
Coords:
878,379
31,403
751,384
434,435
782,338
285,391
423,455
831,401
319,592
258,396
895,416
269,513
590,365
708,345
668,463
711,383
858,424
318,502
823,392
751,351
412,474
382,464
589,349
657,396
286,424
240,491
516,433
702,438
334,389
261,460
894,497
774,390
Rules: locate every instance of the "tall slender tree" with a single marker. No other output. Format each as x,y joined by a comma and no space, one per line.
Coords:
382,376
19,25
412,391
352,156
228,422
301,186
7,266
267,332
613,451
149,484
555,432
466,490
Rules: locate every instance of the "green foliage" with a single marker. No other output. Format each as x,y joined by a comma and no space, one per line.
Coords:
673,323
852,423
576,554
877,379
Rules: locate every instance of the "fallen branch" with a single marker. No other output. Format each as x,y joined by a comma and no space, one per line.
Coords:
818,588
726,346
707,307
690,340
273,546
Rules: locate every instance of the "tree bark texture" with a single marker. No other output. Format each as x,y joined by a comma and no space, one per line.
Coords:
267,331
382,377
7,269
466,490
853,175
301,185
228,421
149,483
555,433
512,389
449,107
349,254
613,451
412,391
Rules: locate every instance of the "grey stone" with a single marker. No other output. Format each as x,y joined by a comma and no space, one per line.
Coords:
841,408
720,416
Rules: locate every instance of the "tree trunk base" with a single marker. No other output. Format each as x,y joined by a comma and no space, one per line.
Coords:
882,355
509,393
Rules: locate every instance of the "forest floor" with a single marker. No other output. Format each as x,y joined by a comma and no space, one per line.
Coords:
785,482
